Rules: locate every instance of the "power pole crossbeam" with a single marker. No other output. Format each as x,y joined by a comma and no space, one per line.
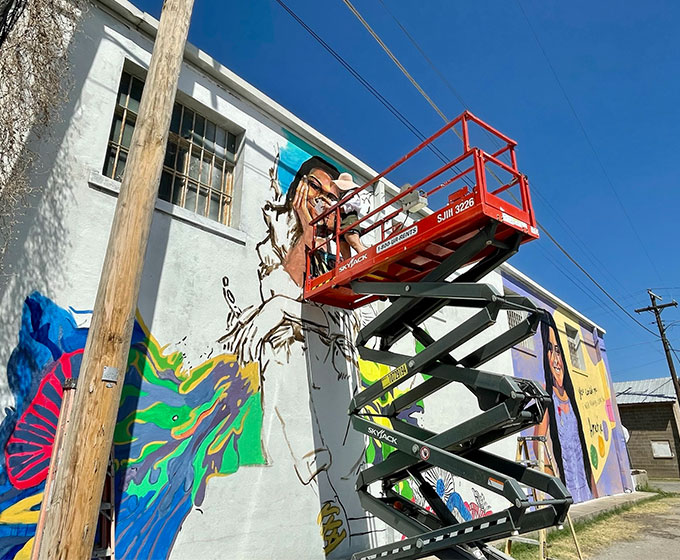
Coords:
657,309
73,507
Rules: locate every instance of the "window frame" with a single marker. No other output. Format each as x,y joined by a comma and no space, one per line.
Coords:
200,154
574,346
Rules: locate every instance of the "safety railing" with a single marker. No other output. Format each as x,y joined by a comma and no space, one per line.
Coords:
497,184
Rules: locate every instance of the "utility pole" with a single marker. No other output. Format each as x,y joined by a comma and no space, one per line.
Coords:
73,506
662,332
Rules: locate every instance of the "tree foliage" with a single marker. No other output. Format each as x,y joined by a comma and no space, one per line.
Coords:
33,82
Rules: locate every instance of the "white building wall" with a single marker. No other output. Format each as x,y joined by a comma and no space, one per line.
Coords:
201,296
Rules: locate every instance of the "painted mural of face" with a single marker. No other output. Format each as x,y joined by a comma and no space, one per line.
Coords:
555,360
321,192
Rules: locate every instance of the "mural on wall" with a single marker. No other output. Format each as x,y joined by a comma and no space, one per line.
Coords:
280,331
176,429
449,488
582,423
180,426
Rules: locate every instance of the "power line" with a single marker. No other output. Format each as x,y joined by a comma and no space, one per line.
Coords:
427,58
543,229
631,345
459,97
395,60
587,137
419,134
605,292
405,121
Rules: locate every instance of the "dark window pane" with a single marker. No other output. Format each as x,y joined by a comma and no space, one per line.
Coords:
120,167
202,202
194,164
177,191
220,142
231,143
216,182
214,210
199,127
187,123
135,95
209,136
176,118
110,160
123,89
170,153
127,134
205,170
165,189
190,201
115,129
181,164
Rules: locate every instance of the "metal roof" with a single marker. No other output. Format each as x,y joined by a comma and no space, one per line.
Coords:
659,389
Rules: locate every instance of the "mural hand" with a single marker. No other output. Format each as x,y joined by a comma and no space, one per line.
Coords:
301,205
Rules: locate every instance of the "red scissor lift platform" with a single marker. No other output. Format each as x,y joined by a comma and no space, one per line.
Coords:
424,260
470,192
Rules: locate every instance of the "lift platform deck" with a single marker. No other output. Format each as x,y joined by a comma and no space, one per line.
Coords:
464,195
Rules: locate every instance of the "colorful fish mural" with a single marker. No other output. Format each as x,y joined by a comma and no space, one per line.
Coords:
176,429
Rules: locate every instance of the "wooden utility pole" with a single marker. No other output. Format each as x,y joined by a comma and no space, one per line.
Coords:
73,506
662,332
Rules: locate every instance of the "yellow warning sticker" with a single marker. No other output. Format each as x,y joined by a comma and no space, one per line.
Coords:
394,376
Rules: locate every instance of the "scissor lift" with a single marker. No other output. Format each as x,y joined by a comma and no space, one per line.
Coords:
417,266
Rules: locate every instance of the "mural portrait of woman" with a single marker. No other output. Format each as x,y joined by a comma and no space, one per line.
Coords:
562,421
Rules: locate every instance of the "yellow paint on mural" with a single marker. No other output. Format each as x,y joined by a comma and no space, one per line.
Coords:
592,395
330,526
24,512
25,552
372,372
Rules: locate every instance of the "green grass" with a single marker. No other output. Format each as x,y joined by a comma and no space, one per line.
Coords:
597,533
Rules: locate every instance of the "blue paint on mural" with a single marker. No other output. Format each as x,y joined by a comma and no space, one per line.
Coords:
176,429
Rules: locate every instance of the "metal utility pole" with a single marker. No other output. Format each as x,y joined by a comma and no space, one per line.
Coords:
662,332
73,506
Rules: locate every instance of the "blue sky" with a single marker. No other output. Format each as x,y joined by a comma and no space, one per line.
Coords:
617,63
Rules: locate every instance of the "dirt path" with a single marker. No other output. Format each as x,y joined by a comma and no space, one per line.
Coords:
649,533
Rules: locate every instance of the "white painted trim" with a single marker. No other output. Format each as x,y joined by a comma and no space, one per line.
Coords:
109,186
540,291
148,25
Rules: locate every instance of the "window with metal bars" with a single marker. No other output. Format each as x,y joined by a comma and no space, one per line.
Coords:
198,171
573,342
515,317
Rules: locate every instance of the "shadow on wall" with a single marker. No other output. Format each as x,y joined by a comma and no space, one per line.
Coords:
338,451
36,256
56,226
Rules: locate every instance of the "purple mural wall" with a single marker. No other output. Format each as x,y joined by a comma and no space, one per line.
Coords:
582,425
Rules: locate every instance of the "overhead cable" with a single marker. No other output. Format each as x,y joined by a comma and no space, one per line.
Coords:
459,97
405,121
395,60
587,137
363,81
543,229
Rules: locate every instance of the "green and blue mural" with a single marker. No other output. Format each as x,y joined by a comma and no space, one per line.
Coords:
176,429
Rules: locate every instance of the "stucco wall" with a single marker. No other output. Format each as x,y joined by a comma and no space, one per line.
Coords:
583,425
232,437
